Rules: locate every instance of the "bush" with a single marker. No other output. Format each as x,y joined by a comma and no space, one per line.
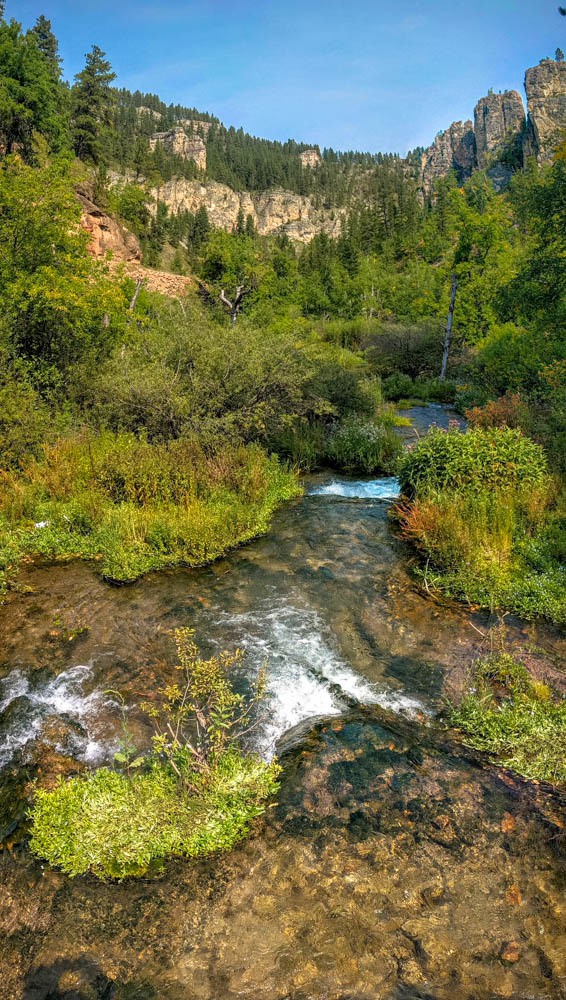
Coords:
507,411
198,794
456,461
25,420
514,718
117,825
398,386
363,446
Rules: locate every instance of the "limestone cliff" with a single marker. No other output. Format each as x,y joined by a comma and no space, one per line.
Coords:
545,85
501,133
310,158
453,149
274,211
498,119
190,147
196,125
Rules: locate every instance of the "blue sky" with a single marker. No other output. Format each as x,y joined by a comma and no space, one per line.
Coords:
353,74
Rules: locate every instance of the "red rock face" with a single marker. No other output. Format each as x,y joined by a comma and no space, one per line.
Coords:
107,236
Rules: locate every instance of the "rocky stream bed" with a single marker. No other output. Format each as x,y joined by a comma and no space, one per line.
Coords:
396,864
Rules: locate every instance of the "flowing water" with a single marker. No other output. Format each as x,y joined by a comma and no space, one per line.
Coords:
395,864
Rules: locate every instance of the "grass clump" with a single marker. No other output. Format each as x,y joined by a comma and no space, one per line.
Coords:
135,506
483,514
355,444
118,825
515,719
196,793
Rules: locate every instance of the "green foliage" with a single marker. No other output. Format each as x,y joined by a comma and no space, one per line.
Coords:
58,306
186,374
130,203
25,420
514,719
92,101
117,826
202,717
364,446
197,794
499,458
32,98
136,507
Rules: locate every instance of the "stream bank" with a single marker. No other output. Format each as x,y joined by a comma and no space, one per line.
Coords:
395,864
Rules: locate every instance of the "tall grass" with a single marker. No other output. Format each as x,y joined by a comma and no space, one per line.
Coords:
486,519
514,718
134,506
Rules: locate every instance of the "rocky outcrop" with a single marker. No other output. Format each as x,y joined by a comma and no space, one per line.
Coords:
501,137
498,121
148,112
176,141
272,211
175,286
454,149
196,125
107,236
545,85
310,158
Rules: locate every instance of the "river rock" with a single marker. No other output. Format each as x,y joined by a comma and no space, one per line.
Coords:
344,889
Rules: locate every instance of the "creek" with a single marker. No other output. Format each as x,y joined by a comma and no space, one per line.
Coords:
396,864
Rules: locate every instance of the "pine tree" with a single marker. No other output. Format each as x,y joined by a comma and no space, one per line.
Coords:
47,44
92,107
31,99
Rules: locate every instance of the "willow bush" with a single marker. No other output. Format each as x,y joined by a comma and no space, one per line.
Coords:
196,792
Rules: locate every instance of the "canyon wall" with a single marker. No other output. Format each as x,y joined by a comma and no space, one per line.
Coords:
274,211
503,137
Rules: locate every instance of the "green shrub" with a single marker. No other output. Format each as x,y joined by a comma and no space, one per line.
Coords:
116,825
364,446
398,386
498,458
515,719
198,792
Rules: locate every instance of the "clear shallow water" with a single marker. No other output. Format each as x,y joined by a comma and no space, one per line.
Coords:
394,866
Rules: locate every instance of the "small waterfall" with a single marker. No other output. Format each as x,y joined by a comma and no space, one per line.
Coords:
359,489
306,678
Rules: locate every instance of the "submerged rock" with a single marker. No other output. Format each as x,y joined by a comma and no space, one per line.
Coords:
383,872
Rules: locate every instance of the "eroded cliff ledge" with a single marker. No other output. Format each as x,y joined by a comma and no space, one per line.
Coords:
274,211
